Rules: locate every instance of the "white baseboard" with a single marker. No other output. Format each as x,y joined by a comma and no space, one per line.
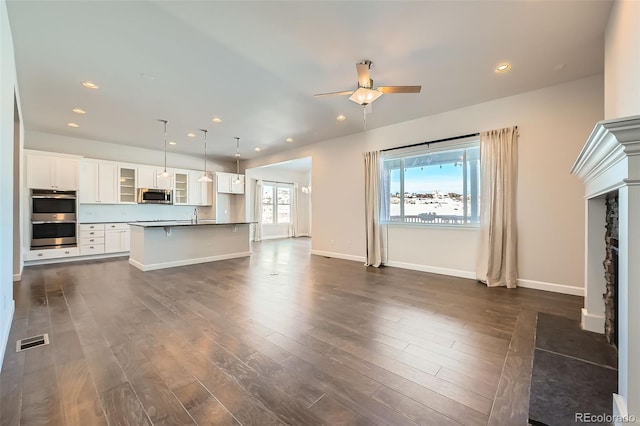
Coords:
17,277
555,288
4,332
275,237
339,255
185,262
433,269
592,322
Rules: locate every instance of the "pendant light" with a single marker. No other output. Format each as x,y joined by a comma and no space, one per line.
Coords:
237,180
165,173
205,177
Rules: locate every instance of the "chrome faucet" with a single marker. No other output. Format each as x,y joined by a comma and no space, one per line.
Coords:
195,215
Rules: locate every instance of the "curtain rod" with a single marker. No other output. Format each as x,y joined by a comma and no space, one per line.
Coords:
435,141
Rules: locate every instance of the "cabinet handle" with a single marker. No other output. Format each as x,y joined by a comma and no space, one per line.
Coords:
91,240
66,252
91,233
90,247
39,254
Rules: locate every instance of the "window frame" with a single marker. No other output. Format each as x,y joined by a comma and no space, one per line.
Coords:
274,202
469,180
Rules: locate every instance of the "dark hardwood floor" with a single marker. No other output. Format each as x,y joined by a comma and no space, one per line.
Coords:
279,338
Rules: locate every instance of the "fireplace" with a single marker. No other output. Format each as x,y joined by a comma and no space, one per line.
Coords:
610,264
609,166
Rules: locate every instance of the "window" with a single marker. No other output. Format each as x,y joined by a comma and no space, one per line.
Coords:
430,186
276,203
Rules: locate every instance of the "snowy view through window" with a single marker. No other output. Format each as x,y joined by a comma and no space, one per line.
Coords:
439,187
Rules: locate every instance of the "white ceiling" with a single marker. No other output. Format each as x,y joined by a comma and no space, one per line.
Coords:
257,64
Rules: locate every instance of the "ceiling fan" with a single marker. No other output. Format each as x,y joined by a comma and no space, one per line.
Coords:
365,94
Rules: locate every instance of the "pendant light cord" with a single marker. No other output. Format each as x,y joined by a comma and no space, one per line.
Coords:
165,144
237,160
204,171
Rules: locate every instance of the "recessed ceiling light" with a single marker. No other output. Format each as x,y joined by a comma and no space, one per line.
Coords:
79,111
341,117
172,143
216,120
257,149
191,135
289,140
90,85
74,125
503,67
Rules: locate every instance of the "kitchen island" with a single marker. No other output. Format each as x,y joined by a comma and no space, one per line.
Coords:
166,244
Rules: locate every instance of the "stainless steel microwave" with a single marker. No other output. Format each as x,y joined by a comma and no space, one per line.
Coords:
155,196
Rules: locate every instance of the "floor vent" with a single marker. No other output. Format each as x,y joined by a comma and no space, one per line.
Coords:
32,342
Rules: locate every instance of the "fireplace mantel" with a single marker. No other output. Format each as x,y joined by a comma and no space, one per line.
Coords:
605,162
608,163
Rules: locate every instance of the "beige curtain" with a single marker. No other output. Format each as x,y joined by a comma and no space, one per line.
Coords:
257,211
497,260
376,255
293,212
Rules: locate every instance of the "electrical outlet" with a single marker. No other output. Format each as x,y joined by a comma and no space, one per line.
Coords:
333,242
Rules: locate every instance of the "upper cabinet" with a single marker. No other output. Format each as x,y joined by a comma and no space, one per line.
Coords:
46,171
199,193
148,178
230,183
127,184
181,188
98,182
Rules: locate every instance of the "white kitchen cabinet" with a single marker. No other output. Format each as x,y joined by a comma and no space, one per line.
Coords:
46,171
148,178
91,239
98,182
51,254
99,238
181,188
127,184
116,237
227,183
199,192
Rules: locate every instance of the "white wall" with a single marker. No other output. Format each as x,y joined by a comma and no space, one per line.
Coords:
8,86
276,174
553,124
622,60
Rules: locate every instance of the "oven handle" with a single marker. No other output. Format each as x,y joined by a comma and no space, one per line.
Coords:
40,222
61,196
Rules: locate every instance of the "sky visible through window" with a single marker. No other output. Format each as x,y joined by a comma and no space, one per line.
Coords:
425,180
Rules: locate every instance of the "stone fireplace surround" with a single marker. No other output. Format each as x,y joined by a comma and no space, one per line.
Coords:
610,163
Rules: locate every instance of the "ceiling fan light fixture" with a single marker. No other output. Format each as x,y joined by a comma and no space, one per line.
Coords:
365,96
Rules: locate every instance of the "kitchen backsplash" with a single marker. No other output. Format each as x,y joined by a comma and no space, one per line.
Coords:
138,212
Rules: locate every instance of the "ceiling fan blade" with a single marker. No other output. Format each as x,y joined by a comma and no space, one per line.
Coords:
400,89
346,92
364,79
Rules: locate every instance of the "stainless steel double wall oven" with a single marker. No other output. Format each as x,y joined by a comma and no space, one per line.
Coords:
53,218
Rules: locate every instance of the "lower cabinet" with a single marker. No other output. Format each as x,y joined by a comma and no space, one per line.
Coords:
116,237
51,254
104,238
